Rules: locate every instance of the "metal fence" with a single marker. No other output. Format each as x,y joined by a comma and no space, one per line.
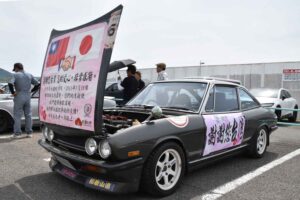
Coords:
297,123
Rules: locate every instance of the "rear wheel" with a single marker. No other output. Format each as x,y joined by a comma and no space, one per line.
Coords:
259,143
293,118
164,170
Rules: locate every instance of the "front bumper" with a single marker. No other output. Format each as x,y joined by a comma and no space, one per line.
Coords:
120,177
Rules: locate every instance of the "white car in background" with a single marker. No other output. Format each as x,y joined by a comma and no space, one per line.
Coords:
277,98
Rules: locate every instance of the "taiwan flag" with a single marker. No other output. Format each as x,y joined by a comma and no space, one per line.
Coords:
57,52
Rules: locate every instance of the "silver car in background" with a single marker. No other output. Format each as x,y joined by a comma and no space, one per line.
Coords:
7,107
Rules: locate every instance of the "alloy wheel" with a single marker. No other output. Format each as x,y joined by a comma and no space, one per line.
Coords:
168,169
261,141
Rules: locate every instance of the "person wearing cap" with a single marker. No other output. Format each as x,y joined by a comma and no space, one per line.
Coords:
141,83
161,72
129,84
20,88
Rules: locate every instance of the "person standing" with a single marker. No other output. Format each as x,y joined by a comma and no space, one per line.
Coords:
22,82
141,83
161,73
129,84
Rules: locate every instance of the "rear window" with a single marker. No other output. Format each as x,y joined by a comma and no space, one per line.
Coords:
247,102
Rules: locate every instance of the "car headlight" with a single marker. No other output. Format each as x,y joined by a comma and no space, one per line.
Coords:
50,135
90,146
104,149
45,132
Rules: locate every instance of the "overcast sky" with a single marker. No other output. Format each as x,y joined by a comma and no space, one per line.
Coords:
179,33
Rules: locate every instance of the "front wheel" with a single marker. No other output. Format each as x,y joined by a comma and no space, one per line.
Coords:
259,143
164,170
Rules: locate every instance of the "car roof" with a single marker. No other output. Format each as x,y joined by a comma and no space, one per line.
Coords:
202,80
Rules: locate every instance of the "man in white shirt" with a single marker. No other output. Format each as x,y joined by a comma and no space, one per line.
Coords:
161,73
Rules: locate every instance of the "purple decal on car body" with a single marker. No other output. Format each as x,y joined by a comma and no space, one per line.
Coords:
223,131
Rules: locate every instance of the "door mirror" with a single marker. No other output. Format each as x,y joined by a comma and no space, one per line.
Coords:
283,98
156,112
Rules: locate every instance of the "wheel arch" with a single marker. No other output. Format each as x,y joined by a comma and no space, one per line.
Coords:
7,113
265,125
176,140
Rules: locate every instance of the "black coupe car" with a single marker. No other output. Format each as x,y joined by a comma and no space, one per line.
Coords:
168,129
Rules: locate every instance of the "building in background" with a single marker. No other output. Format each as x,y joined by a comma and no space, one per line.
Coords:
253,75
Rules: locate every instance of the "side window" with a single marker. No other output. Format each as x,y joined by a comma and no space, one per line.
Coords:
222,99
282,94
211,101
287,94
247,102
226,99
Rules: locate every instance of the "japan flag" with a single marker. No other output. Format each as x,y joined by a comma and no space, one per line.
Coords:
87,45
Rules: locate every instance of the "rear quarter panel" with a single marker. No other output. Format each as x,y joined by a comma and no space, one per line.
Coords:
257,118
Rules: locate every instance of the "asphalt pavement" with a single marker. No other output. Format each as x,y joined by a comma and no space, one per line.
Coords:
24,174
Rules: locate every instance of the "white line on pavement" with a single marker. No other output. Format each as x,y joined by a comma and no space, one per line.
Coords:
47,159
21,190
227,187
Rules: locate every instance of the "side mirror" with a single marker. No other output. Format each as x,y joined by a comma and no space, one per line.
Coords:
283,98
156,112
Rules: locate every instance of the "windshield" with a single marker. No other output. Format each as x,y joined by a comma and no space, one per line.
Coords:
270,93
171,95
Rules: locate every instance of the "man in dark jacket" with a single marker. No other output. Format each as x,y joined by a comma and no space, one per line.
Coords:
130,84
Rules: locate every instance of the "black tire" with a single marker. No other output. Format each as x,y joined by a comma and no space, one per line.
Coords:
149,183
255,149
293,118
4,122
278,113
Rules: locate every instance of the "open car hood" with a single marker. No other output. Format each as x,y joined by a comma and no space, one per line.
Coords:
74,74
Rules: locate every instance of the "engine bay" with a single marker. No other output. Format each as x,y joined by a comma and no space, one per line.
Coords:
116,120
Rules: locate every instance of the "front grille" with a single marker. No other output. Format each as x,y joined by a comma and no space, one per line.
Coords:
73,144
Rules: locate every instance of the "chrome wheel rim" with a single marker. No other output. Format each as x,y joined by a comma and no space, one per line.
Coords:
261,141
168,169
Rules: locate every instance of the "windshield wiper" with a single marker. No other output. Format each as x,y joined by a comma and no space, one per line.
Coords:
176,107
140,105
